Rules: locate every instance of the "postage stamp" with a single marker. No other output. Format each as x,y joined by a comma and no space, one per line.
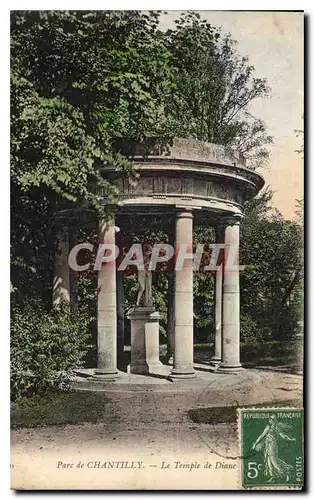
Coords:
271,447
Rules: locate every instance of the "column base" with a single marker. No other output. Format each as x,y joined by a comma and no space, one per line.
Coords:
178,377
226,368
145,368
215,361
102,375
181,374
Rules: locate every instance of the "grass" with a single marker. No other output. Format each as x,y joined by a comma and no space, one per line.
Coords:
273,353
58,408
228,414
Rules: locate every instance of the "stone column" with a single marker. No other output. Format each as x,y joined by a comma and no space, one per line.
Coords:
73,277
170,306
170,318
231,301
120,313
183,336
107,310
61,280
216,359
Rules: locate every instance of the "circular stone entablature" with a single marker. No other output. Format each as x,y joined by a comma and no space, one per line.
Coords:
210,179
185,173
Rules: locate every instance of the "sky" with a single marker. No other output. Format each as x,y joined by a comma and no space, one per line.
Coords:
273,42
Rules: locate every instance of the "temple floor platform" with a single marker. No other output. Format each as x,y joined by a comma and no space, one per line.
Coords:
222,386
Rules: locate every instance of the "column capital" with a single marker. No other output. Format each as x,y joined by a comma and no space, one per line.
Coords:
183,212
229,220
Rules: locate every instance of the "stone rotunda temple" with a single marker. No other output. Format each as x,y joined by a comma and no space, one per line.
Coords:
182,182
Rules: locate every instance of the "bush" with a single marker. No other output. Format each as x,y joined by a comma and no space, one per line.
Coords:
46,347
249,330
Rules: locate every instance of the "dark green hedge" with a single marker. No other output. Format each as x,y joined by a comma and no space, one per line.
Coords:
46,347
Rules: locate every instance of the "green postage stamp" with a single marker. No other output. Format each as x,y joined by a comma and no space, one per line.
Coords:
271,447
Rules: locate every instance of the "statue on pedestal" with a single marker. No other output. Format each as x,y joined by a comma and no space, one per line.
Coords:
145,324
145,292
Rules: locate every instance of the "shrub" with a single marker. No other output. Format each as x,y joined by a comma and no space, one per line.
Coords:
46,347
249,330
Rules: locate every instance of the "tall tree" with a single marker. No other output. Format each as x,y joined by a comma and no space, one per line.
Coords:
78,80
214,90
271,250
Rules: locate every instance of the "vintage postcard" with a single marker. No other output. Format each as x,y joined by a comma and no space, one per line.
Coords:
157,250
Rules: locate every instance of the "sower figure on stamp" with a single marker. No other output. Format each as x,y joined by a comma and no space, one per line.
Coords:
145,280
267,442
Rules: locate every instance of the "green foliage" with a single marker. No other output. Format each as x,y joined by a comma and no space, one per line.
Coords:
271,283
132,81
65,114
214,90
203,288
45,347
204,304
123,75
160,292
249,330
79,80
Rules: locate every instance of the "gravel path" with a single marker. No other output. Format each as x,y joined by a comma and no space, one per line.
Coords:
151,425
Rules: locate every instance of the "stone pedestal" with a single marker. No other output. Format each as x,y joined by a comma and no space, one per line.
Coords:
231,304
107,311
144,341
